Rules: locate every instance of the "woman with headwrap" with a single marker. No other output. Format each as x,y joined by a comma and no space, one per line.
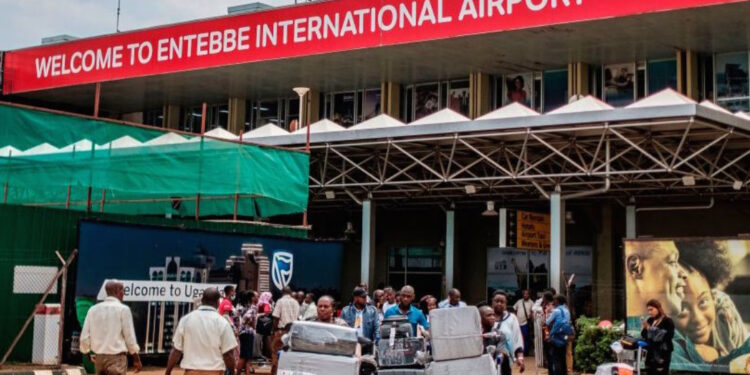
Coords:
265,308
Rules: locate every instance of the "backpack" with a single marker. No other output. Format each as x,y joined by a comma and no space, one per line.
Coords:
560,335
264,326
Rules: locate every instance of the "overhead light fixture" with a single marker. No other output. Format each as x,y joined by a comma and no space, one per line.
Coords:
688,181
349,228
470,189
569,218
330,194
737,185
490,209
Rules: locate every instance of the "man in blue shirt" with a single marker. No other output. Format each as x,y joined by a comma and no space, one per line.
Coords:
415,315
453,300
362,317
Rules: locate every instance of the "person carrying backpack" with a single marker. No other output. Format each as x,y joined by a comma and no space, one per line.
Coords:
561,330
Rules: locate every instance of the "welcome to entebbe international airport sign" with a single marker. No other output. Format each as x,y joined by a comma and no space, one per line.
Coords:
315,28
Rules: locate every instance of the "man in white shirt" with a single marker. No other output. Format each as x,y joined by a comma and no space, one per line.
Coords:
285,312
453,300
108,333
204,340
525,315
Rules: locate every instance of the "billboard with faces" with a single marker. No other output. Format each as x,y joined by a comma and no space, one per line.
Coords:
703,284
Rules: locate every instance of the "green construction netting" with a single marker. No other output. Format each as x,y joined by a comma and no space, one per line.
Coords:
47,157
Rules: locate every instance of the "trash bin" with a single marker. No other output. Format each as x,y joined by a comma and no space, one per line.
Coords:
46,335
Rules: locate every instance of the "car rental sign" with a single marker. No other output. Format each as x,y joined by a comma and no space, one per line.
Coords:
315,28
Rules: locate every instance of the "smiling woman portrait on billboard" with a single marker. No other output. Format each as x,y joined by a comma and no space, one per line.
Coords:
704,286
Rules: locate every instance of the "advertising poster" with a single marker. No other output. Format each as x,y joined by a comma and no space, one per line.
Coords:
426,100
165,270
512,270
518,89
704,286
458,97
619,84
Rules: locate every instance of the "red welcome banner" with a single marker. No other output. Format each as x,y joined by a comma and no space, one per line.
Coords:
315,28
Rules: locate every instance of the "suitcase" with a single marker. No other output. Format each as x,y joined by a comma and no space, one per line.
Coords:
400,324
456,333
402,371
296,363
403,352
482,365
322,338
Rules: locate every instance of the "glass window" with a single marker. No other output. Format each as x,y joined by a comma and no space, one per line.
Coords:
192,119
555,89
292,111
732,81
154,117
426,100
409,105
619,84
662,74
537,92
458,97
371,104
268,112
640,84
343,109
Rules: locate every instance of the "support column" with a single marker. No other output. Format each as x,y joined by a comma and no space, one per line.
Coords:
312,110
604,293
390,99
630,229
480,95
237,111
450,230
687,73
503,216
171,115
578,79
367,267
557,241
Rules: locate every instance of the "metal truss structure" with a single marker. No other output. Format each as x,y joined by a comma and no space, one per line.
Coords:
672,157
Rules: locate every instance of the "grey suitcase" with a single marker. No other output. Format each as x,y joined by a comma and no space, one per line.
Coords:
296,363
322,338
482,365
402,353
402,371
456,333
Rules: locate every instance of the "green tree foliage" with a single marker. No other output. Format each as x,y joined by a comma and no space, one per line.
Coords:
592,344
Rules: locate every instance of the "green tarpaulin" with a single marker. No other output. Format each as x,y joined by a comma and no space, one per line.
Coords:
57,160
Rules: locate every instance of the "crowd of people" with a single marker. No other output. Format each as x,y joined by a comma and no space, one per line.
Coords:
227,332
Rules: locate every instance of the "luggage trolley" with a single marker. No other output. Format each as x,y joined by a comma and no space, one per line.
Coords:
630,352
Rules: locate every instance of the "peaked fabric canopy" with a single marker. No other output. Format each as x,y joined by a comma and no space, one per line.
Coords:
58,160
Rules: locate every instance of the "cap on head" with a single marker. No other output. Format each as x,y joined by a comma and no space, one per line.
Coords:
359,292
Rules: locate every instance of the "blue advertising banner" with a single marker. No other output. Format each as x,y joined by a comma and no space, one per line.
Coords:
157,254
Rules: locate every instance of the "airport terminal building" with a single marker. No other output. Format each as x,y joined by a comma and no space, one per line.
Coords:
477,144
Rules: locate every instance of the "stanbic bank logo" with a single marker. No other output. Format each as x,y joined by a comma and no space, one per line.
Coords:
281,271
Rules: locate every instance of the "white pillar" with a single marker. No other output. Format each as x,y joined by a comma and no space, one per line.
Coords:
503,214
557,241
368,242
630,222
450,229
